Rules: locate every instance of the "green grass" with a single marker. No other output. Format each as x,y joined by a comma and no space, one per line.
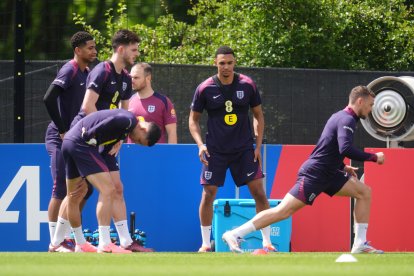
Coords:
203,264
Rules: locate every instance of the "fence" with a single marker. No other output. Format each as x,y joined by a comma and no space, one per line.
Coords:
296,102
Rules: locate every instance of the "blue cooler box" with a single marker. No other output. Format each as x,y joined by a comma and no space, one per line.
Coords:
231,213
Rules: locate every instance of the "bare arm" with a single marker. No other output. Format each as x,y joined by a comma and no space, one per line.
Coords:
125,104
258,125
89,101
194,126
171,133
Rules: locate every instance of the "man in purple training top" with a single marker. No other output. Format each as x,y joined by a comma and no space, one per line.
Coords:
227,97
152,106
108,87
325,171
63,100
83,159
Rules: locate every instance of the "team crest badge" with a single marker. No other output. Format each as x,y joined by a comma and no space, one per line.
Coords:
151,108
124,86
207,175
240,94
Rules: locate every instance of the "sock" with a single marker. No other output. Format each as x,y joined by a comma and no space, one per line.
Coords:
266,236
104,236
62,227
244,229
360,230
68,231
79,237
205,235
52,229
125,239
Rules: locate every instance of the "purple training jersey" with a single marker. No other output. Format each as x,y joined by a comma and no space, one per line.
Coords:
228,125
111,87
157,108
106,126
336,143
73,81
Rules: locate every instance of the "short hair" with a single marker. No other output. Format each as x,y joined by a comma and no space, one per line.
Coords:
224,50
153,133
147,68
360,91
124,37
80,39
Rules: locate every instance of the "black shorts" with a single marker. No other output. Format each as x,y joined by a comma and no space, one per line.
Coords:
241,164
310,183
53,144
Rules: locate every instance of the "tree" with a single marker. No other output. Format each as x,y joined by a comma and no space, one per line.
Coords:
332,34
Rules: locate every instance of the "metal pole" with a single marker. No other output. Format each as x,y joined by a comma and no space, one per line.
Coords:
19,72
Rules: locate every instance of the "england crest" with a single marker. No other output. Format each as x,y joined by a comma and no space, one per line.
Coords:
240,94
207,175
151,108
124,86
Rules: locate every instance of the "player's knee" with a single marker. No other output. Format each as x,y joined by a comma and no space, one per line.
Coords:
107,191
364,192
209,195
367,192
119,189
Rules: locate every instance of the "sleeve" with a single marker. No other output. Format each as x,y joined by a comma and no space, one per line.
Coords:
345,134
51,102
112,124
169,115
255,100
65,76
198,102
132,105
96,79
128,90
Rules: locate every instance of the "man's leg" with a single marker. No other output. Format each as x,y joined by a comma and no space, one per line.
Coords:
63,227
362,195
259,195
53,212
119,216
119,211
57,167
206,215
285,209
103,183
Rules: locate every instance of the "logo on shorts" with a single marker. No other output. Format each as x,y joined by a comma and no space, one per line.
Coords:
240,94
312,197
208,175
249,174
151,108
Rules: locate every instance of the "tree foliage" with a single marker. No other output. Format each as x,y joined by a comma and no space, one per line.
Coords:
332,34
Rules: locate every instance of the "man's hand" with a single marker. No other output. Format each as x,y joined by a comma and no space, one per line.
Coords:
91,141
202,153
380,158
258,156
115,148
351,170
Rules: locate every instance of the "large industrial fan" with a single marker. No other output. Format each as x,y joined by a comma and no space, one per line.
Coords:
392,118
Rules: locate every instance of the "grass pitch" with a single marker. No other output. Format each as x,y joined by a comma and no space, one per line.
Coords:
203,264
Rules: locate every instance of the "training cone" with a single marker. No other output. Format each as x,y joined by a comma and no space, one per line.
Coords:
260,252
346,258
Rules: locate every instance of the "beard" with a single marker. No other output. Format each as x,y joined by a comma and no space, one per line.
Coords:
139,87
